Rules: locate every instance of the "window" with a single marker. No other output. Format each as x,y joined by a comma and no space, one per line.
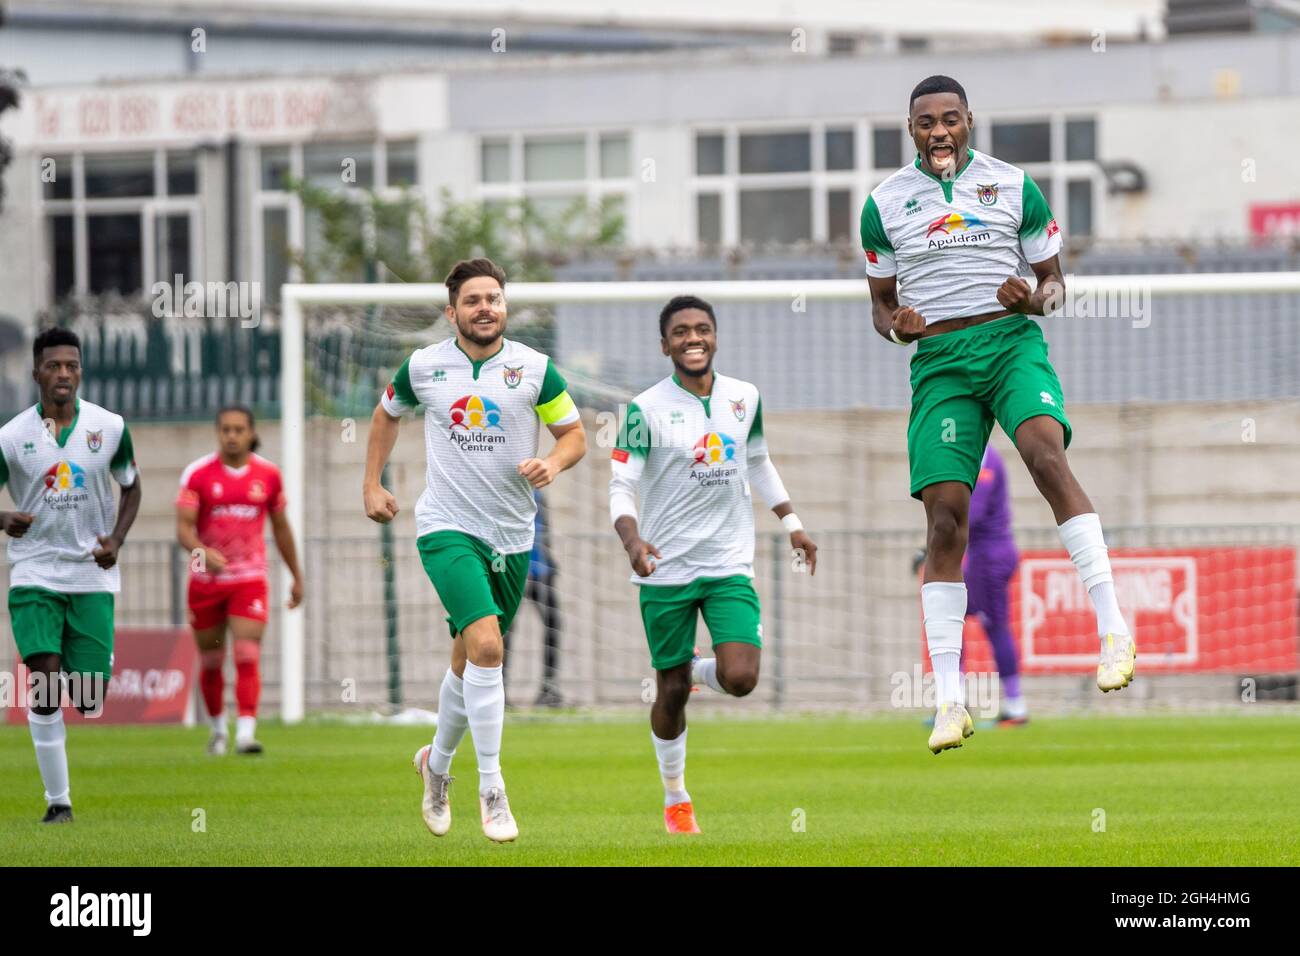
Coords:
403,163
551,214
62,255
554,159
567,178
887,146
708,219
842,44
839,149
777,186
171,237
116,175
494,161
275,252
60,186
1081,139
115,243
839,215
275,167
615,206
615,157
182,174
1078,202
710,150
775,215
117,222
314,242
775,152
330,165
1023,142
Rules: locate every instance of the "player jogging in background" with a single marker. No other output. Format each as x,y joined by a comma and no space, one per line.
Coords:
690,448
948,240
59,459
990,561
221,510
484,397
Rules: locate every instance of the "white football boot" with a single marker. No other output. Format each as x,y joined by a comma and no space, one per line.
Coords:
1118,660
498,822
952,725
436,807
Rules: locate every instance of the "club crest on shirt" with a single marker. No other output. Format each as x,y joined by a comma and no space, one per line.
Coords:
217,489
513,376
738,408
256,491
988,194
95,440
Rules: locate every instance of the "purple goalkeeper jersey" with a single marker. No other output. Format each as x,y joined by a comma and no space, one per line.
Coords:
990,507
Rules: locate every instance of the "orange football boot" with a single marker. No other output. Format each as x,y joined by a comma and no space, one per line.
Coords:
680,818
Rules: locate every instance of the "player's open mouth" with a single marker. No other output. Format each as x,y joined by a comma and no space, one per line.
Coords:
941,153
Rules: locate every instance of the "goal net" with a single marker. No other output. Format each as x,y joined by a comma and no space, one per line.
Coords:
1182,389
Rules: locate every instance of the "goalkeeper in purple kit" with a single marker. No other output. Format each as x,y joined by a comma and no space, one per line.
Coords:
991,560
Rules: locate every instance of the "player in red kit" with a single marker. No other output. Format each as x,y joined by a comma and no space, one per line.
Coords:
220,513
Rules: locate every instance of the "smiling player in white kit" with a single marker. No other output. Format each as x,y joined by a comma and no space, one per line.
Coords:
484,397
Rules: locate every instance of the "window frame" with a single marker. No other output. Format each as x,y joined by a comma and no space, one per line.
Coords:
80,207
592,188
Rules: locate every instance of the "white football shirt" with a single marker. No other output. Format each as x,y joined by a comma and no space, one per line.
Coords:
953,243
64,482
689,459
480,421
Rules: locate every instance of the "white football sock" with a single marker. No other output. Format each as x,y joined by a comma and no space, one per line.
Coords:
245,727
1083,539
50,737
1014,707
218,724
705,671
944,606
485,708
452,723
947,677
672,768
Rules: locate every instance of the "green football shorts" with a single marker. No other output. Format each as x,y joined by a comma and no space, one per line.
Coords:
729,606
472,579
962,381
77,627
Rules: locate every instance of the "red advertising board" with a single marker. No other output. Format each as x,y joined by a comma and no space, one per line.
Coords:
152,676
1275,220
1227,610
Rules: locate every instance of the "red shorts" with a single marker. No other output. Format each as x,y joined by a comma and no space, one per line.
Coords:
211,602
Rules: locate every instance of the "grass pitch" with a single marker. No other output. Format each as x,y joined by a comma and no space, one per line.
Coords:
1179,790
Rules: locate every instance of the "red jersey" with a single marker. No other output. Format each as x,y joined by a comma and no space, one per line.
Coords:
233,504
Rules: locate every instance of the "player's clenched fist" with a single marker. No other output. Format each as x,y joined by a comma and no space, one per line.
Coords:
16,523
380,505
908,324
540,472
639,553
1014,294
